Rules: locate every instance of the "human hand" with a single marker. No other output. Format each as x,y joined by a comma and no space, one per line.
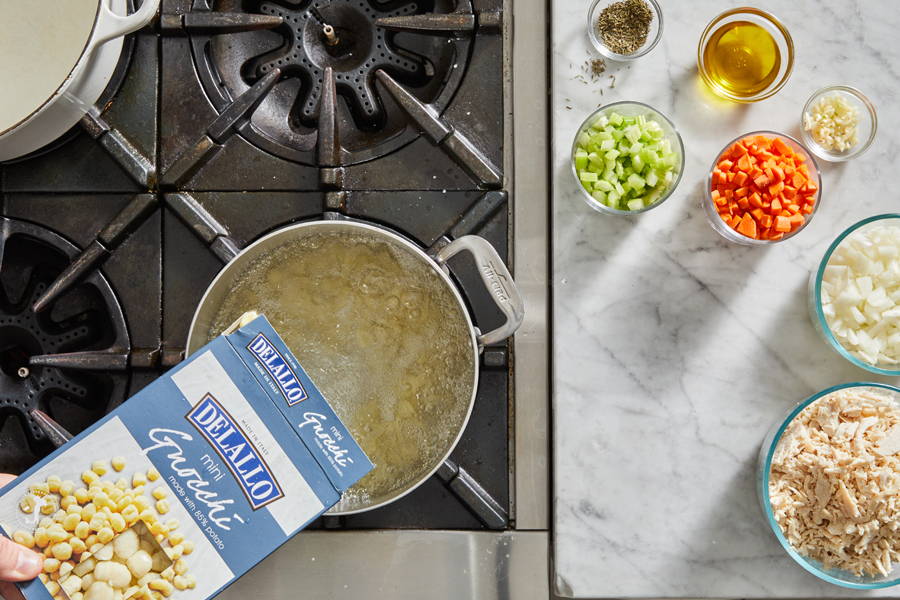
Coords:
17,563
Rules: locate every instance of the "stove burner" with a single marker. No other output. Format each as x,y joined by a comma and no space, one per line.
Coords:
341,35
87,318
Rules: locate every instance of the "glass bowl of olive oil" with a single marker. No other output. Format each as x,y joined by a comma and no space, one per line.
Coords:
745,55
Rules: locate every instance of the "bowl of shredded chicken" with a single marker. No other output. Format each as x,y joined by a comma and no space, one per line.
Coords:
830,484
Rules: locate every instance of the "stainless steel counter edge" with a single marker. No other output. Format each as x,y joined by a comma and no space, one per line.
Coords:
530,191
401,565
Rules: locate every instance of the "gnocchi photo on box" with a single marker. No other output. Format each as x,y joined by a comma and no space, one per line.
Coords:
189,484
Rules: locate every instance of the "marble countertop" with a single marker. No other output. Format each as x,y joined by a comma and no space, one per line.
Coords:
675,350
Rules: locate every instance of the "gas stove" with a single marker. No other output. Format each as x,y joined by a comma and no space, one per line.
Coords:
230,119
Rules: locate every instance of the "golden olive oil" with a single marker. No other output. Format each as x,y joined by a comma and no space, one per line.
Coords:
742,58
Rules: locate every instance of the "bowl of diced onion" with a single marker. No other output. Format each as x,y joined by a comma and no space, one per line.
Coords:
854,295
627,158
838,123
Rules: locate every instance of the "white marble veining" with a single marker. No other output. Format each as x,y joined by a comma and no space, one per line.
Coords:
675,350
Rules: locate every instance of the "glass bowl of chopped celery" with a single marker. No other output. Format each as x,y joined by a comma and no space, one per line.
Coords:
838,123
793,477
763,188
854,295
627,158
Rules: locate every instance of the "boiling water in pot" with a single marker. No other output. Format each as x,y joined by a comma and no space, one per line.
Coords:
380,334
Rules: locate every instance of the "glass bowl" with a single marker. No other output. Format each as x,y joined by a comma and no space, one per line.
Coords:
768,22
712,215
653,35
630,109
815,297
868,123
764,468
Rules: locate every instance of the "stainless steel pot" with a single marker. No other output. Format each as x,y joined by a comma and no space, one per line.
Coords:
493,273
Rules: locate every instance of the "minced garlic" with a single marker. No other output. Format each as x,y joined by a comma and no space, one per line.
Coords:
832,122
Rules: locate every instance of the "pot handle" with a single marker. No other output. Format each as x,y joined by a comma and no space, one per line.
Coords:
110,25
496,278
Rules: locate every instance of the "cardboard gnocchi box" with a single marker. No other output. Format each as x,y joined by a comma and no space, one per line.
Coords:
194,480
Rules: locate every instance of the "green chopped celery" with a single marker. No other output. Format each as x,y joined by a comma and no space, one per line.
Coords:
581,159
637,162
625,162
633,133
636,182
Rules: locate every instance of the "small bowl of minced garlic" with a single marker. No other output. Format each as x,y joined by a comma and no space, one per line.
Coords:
838,123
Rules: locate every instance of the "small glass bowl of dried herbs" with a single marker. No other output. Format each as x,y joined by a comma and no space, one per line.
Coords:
623,30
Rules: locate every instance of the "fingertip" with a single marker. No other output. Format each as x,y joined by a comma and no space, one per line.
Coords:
29,563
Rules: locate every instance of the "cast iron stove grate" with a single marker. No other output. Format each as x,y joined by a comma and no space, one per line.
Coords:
33,345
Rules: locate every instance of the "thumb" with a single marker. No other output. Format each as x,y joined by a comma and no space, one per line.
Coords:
18,563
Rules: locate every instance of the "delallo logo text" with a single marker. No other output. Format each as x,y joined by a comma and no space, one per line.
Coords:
232,444
279,369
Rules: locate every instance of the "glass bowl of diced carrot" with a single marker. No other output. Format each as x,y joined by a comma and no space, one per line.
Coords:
763,188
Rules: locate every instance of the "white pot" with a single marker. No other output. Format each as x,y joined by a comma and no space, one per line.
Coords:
56,58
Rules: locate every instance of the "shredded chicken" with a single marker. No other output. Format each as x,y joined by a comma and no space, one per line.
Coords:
835,482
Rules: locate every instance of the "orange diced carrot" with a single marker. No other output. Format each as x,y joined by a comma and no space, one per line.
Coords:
782,224
807,209
758,214
789,191
747,226
725,165
794,208
776,205
756,201
743,162
797,220
741,192
781,147
767,221
798,180
779,173
744,203
761,182
776,188
740,178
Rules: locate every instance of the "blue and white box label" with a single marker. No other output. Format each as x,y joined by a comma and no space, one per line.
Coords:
222,459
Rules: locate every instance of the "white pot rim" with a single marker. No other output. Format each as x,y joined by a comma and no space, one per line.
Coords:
69,78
